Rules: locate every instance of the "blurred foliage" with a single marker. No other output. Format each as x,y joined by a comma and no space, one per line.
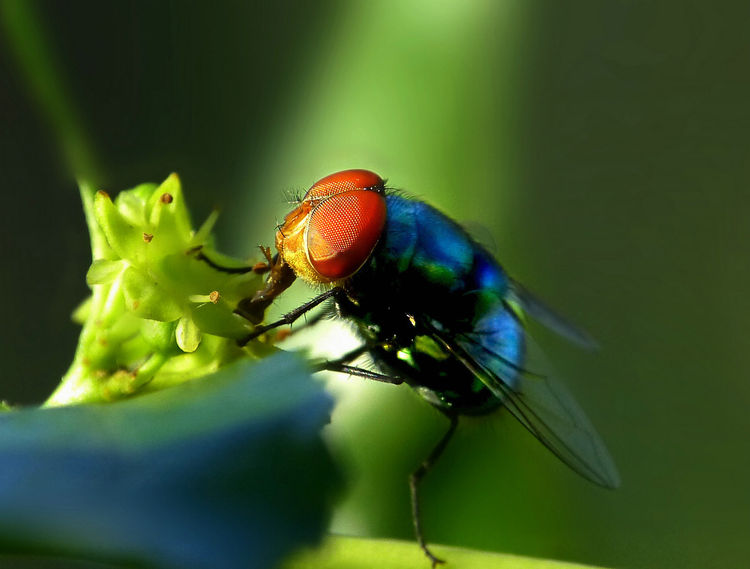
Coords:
339,552
200,475
604,145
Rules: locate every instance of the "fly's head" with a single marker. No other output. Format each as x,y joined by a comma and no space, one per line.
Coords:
333,230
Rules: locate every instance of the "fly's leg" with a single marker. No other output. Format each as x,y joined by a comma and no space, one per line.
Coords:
281,276
416,478
367,374
340,365
290,317
313,320
258,268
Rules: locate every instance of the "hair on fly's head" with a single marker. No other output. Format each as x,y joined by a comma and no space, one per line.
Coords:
293,196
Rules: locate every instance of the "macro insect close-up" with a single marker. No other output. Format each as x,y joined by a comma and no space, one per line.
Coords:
435,311
511,334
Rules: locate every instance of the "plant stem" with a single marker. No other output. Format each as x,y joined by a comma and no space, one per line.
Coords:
29,43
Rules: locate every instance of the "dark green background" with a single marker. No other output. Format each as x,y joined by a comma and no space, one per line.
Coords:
602,144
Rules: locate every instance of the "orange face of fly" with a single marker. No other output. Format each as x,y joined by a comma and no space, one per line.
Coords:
334,229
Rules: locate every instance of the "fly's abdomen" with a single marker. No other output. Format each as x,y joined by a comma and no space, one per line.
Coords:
497,343
495,348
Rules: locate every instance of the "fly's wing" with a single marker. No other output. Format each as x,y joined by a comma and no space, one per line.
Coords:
546,316
543,406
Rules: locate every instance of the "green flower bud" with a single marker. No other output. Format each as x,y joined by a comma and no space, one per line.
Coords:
159,313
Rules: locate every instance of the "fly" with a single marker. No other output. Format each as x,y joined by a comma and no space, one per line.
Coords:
434,309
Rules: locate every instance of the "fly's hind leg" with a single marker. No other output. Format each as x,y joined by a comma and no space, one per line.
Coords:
341,365
416,478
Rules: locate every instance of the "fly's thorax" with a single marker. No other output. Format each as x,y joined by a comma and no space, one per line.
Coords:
379,317
434,261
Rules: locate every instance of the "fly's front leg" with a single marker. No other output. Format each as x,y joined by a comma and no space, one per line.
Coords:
258,268
280,278
290,317
416,478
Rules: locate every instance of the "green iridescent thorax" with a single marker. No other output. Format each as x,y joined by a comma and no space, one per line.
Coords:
428,272
430,259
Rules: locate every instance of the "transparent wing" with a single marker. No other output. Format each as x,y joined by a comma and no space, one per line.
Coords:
544,407
546,316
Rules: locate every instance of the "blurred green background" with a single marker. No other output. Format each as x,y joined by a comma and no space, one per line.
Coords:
603,145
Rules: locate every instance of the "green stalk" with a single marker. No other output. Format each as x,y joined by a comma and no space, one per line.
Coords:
29,43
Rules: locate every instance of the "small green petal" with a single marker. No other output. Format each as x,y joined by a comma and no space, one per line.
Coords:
145,298
187,334
203,234
132,203
168,214
103,271
124,238
159,335
217,319
82,311
143,191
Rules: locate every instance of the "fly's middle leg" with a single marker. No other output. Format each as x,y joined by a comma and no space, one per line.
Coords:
416,478
341,365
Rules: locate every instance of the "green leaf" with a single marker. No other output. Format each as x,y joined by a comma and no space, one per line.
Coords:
340,552
222,473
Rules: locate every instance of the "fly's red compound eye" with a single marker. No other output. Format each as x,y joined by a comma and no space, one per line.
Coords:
343,230
345,181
